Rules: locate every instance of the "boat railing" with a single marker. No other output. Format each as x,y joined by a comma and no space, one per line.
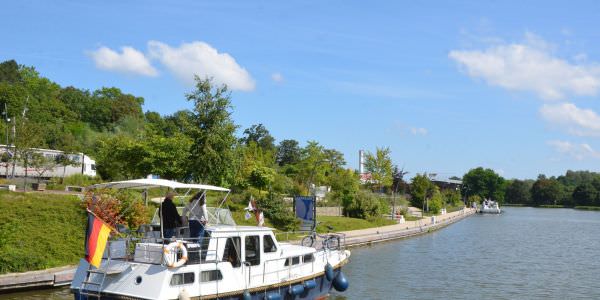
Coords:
277,262
297,237
144,250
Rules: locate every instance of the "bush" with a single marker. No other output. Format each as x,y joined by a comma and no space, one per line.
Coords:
117,207
452,197
75,179
436,203
274,208
364,205
474,198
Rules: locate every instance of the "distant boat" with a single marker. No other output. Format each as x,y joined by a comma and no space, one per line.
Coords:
490,207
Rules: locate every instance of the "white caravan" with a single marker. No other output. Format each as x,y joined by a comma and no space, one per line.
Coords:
83,164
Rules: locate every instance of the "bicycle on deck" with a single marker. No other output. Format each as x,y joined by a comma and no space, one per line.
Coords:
331,241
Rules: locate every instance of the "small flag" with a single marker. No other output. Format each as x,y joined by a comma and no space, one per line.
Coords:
96,236
250,207
261,219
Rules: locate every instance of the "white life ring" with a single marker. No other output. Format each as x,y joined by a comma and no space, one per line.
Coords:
170,254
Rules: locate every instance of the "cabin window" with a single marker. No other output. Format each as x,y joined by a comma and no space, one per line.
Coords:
269,244
292,261
232,251
182,278
308,258
212,275
94,167
252,246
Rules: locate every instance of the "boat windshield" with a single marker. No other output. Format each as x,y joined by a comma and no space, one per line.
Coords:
221,216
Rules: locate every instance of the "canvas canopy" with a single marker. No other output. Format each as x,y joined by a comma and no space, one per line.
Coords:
155,183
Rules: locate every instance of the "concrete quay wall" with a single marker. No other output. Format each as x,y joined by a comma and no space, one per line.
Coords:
398,231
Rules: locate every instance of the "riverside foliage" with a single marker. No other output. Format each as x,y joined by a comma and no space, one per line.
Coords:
197,145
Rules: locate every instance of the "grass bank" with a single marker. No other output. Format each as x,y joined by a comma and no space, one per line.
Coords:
588,207
346,224
39,231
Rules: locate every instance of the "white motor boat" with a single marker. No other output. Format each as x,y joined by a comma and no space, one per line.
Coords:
490,207
229,262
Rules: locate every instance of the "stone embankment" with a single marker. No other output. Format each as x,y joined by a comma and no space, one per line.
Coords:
403,230
37,279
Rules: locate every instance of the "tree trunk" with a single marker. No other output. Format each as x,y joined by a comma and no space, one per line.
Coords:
62,180
25,178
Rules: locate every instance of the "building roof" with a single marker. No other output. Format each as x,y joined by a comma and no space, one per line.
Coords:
449,181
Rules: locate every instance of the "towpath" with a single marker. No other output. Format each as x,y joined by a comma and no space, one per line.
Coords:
406,229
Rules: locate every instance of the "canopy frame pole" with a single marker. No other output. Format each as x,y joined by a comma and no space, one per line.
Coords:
224,199
146,197
160,214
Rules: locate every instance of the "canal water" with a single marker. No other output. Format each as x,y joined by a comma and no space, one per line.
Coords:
525,253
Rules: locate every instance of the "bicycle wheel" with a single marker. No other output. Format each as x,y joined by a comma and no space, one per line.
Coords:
308,241
332,242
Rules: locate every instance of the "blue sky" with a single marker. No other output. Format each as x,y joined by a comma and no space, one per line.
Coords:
448,86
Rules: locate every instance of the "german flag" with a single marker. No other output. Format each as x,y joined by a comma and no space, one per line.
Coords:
96,236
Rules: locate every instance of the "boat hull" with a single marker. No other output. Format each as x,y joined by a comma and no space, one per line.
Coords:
320,291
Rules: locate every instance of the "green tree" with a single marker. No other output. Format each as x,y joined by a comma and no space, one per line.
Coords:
545,191
112,105
436,203
288,152
452,197
123,157
345,185
585,195
41,164
65,160
312,167
168,157
262,177
421,189
518,192
485,183
9,72
27,138
261,136
380,167
398,183
212,152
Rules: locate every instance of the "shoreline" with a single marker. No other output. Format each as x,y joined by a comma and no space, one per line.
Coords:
61,276
374,235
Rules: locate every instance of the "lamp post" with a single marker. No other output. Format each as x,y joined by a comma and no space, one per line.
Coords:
7,121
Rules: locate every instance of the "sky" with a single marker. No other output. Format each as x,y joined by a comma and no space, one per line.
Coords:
446,85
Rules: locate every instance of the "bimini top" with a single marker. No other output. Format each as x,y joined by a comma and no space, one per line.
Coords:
154,183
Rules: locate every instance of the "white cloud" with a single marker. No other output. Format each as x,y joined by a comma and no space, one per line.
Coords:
129,61
577,151
578,121
418,131
530,66
277,77
199,58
